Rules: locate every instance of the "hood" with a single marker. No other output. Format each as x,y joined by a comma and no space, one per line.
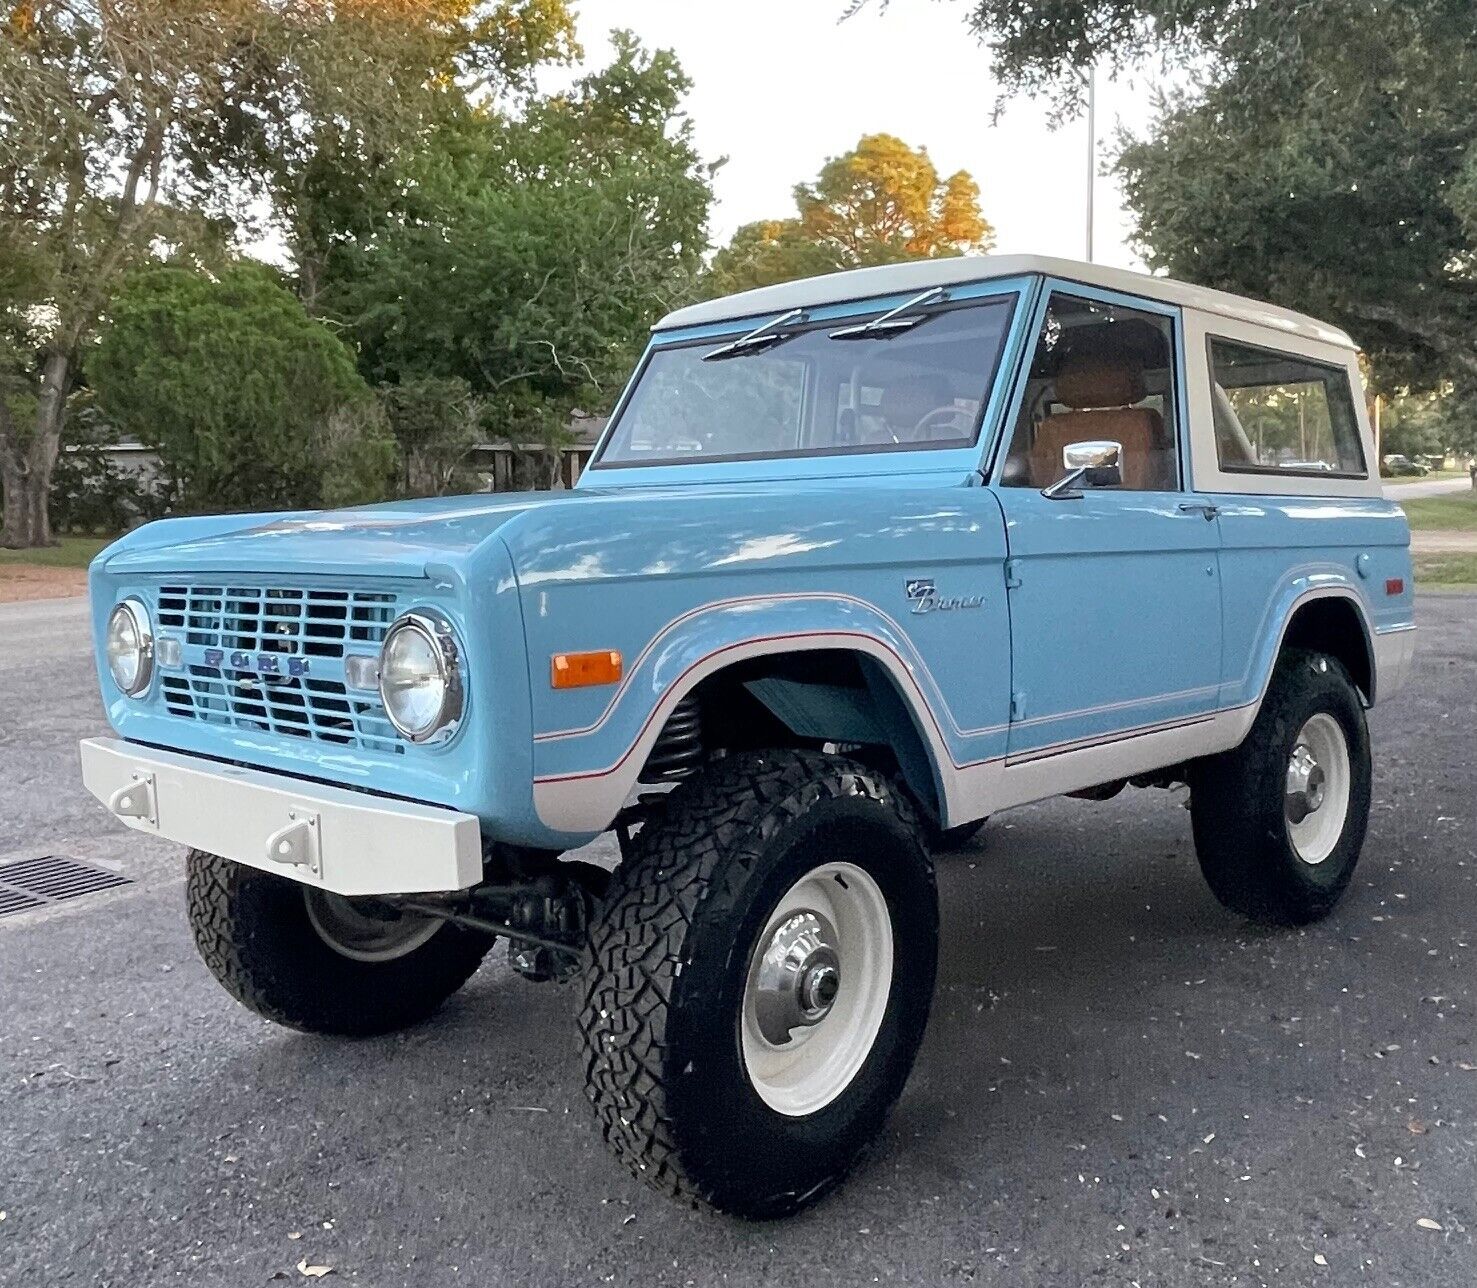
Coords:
400,539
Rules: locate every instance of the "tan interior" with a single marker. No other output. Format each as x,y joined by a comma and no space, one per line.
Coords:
1101,390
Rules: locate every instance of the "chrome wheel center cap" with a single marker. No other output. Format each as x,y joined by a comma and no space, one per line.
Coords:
799,977
1305,784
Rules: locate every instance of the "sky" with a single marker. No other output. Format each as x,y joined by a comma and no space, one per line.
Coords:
780,85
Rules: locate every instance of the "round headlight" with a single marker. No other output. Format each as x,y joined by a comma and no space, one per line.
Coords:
420,677
130,647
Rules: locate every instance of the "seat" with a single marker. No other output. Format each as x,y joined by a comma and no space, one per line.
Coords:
1101,390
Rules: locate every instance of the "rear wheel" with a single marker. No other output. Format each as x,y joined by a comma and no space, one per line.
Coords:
318,961
1279,822
759,979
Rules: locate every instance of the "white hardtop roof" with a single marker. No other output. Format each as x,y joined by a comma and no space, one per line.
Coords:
921,274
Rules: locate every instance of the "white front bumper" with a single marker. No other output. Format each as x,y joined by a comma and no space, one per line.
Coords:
341,840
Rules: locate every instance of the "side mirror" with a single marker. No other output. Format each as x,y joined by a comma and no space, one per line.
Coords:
1097,463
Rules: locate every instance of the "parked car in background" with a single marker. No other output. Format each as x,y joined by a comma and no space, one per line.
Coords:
1398,466
857,563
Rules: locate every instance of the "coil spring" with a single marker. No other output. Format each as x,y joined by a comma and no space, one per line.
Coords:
679,750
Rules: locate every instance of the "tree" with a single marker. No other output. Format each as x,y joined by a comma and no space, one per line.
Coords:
880,203
93,101
437,421
250,403
351,98
133,130
1325,156
529,252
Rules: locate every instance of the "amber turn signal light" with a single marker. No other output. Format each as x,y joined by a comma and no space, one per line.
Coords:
580,670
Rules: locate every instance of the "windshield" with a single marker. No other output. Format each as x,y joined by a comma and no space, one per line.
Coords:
815,389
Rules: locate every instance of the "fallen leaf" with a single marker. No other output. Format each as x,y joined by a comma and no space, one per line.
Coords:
1465,1067
1359,1149
1416,1127
1319,1259
1426,1223
295,1234
312,1272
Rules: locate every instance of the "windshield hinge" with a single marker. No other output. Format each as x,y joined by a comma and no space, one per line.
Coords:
1018,704
1012,573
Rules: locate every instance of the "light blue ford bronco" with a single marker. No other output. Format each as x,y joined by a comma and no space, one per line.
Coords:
858,562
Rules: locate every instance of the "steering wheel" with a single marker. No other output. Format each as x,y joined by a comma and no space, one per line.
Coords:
950,418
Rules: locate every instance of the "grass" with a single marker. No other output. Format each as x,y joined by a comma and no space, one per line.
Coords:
1446,570
1454,513
74,552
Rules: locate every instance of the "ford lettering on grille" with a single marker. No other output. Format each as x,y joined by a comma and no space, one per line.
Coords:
271,658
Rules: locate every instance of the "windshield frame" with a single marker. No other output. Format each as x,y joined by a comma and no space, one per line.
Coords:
850,460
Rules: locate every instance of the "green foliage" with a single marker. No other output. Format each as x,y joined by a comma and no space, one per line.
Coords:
436,421
162,128
249,402
530,252
1428,424
880,203
90,490
1325,159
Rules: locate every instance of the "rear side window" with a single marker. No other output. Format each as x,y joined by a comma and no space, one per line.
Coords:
1276,413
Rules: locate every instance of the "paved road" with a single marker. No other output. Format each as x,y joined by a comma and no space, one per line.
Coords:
1427,487
1120,1085
1453,542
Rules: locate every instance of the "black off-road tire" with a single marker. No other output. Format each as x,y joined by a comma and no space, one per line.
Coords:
668,965
253,931
1237,800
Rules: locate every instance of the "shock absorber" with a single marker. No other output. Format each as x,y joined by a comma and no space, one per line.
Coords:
679,750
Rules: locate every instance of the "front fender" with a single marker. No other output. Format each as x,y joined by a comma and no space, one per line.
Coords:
583,774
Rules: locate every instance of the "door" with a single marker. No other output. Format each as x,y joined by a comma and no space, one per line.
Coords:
1113,583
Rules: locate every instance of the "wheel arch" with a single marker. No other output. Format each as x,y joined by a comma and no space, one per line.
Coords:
807,706
852,696
1332,620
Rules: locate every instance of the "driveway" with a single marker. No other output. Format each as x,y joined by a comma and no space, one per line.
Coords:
1121,1084
1398,492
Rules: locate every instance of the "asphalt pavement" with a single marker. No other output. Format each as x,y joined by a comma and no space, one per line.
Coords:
1121,1083
1398,492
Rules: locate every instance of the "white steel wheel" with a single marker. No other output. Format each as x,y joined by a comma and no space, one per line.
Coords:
365,930
1316,797
818,985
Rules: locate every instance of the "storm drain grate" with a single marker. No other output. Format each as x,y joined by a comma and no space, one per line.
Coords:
51,878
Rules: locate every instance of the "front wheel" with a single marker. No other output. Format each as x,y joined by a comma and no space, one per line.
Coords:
1280,820
320,962
759,979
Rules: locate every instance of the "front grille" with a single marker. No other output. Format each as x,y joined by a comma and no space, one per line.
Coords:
275,619
216,623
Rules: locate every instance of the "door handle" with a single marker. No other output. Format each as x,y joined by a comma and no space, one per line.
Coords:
1202,508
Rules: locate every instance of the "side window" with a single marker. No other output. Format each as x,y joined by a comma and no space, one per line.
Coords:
1100,373
1277,413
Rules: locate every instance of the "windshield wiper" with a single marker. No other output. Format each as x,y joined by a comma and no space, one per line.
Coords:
893,322
761,337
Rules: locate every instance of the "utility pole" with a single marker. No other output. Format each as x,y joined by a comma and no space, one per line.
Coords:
1091,151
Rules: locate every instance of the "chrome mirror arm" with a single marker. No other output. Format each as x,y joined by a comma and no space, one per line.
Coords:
1065,488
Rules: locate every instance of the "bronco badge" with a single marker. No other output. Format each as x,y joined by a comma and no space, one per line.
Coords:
925,598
